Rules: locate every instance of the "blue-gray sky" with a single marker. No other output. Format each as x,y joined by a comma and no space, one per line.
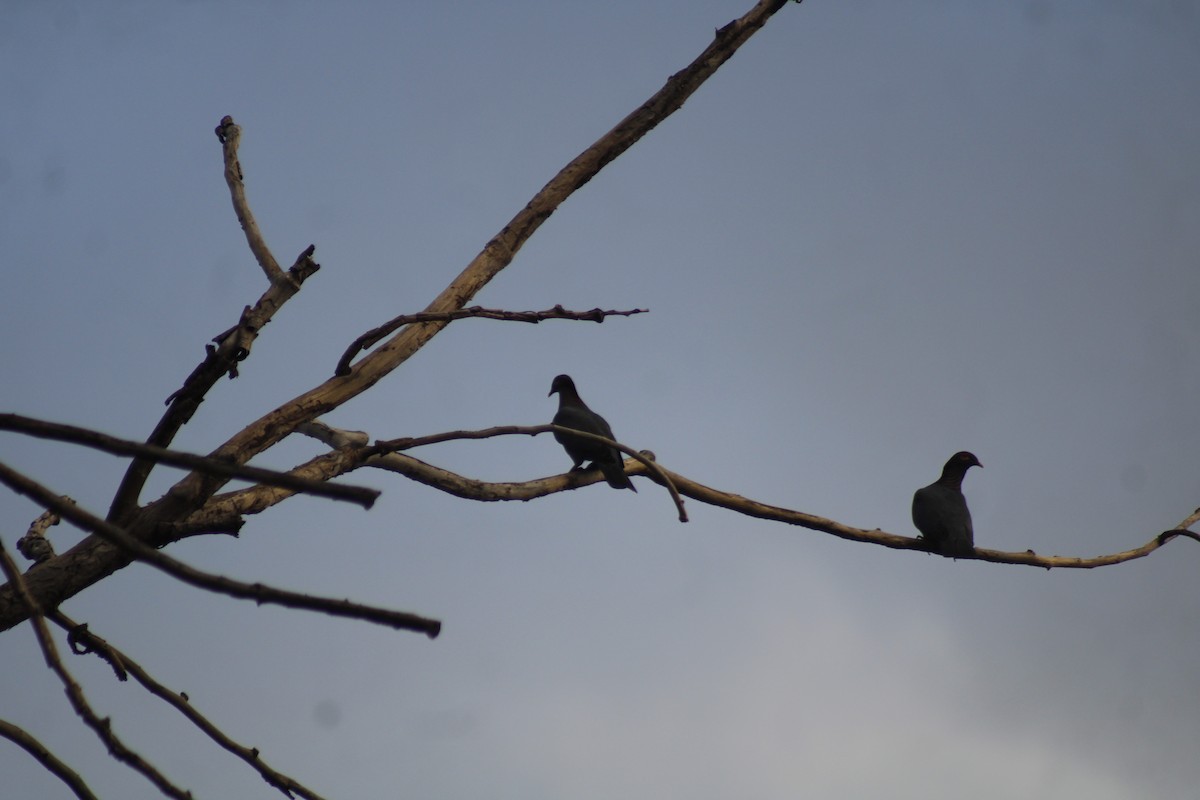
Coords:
882,233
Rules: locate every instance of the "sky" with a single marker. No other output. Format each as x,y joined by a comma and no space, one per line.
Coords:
882,233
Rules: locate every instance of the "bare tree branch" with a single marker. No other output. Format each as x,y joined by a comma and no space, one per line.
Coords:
102,727
1189,520
193,491
233,346
83,641
472,489
558,312
54,431
47,759
230,136
34,545
533,430
754,508
257,592
93,559
382,455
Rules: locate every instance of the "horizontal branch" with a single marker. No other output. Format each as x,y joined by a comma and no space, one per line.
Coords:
372,336
83,641
123,447
408,443
469,488
385,455
754,508
257,592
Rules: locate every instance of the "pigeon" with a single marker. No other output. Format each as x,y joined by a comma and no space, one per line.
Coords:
939,510
574,413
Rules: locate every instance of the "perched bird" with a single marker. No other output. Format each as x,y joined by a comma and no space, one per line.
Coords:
939,510
574,413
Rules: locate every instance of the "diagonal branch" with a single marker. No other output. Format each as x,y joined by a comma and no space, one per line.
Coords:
93,559
123,447
372,336
47,759
231,347
102,727
193,491
257,592
84,641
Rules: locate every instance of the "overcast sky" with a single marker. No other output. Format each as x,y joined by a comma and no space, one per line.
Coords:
882,233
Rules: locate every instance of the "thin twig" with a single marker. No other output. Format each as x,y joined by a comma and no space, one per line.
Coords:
230,136
395,445
123,447
47,759
257,592
372,336
84,641
102,727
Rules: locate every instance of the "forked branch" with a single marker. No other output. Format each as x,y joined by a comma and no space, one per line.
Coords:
92,559
102,727
387,455
123,447
193,491
257,592
83,641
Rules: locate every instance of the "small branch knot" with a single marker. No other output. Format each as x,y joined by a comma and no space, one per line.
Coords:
226,130
82,642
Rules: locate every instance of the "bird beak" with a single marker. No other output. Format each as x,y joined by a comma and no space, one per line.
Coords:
549,393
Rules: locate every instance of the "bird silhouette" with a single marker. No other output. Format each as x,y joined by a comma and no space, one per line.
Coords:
940,512
574,413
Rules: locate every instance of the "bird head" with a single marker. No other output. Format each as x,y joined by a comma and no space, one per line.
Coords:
562,384
964,460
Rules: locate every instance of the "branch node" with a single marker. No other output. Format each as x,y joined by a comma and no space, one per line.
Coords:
1167,536
82,642
34,545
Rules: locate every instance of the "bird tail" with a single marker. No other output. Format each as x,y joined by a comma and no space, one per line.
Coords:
614,473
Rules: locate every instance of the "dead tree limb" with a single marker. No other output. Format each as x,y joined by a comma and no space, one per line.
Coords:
495,256
230,136
231,347
94,558
257,592
385,455
102,727
647,462
58,432
47,759
83,641
372,336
